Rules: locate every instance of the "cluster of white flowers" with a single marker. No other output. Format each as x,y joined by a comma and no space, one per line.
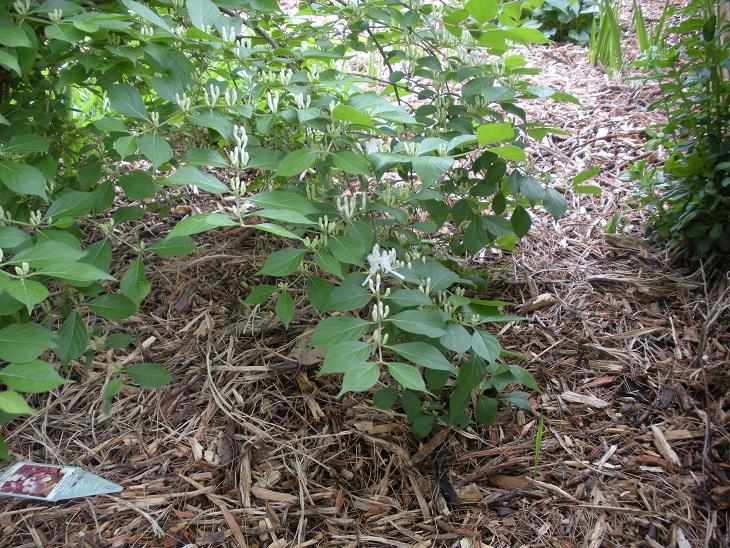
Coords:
147,31
348,205
243,46
302,102
272,99
155,119
54,16
229,34
23,270
36,218
5,216
238,155
231,96
411,148
374,286
379,312
21,7
382,262
211,95
375,145
184,101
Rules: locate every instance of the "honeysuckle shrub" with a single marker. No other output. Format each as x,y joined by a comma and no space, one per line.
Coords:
688,197
381,141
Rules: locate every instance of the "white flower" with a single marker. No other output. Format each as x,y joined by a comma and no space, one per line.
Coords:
381,261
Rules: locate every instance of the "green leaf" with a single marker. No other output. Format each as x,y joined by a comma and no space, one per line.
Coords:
527,35
203,13
279,199
346,249
147,14
134,284
329,264
149,375
117,340
277,230
23,144
497,226
482,10
155,149
26,291
319,291
350,295
99,255
9,59
138,185
12,237
509,152
73,204
282,262
344,355
14,37
352,115
72,338
350,162
296,162
260,294
554,203
284,308
126,146
126,100
13,403
456,339
422,354
23,179
4,453
385,398
74,272
586,174
360,378
520,221
190,175
174,247
422,425
284,215
488,134
407,376
47,254
196,224
32,377
430,168
23,342
523,376
422,322
205,157
591,190
486,411
485,345
407,298
113,307
520,399
336,329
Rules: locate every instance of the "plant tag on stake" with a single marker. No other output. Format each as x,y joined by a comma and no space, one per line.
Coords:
51,483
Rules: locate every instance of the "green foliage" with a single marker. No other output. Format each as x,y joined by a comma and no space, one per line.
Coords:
605,42
375,181
689,196
566,20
